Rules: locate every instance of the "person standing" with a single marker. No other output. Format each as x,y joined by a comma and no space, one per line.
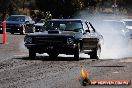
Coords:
48,17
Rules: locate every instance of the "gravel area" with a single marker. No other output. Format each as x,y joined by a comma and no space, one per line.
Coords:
18,71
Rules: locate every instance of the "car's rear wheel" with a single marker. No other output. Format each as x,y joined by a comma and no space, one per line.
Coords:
95,54
12,32
53,55
32,54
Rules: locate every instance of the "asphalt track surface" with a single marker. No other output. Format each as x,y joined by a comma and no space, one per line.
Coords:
18,71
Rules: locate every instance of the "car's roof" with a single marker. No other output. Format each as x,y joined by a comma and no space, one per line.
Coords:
65,20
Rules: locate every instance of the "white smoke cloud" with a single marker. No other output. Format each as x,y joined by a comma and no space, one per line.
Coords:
115,46
22,48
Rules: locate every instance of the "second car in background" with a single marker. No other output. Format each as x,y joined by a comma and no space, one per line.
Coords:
20,24
1,26
128,24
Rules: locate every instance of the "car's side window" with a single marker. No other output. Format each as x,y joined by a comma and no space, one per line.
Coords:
90,28
85,27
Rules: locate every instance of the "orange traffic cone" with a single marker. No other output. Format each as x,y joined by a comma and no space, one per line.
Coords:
4,32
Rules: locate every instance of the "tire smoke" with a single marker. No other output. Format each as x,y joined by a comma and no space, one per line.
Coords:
116,45
22,48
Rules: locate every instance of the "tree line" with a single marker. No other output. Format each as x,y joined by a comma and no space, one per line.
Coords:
64,8
68,8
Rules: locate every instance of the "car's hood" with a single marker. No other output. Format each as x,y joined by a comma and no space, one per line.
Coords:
61,33
14,22
76,35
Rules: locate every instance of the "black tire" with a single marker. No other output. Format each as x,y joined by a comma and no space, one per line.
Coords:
95,54
32,54
76,55
23,31
1,31
12,32
53,55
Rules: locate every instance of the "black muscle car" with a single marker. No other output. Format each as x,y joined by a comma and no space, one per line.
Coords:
20,24
65,36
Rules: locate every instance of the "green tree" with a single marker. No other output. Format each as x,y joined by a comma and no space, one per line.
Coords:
69,7
8,6
58,8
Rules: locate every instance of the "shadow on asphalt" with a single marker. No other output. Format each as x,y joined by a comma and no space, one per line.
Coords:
47,58
109,66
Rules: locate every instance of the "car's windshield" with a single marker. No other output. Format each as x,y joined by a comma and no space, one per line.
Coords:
128,23
64,25
16,18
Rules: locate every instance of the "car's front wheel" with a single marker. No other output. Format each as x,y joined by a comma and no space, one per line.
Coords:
95,54
32,54
12,32
76,54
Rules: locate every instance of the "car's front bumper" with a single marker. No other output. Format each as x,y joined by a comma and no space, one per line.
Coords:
61,49
13,29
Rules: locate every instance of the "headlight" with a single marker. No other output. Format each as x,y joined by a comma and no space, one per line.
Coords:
70,41
28,40
1,29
